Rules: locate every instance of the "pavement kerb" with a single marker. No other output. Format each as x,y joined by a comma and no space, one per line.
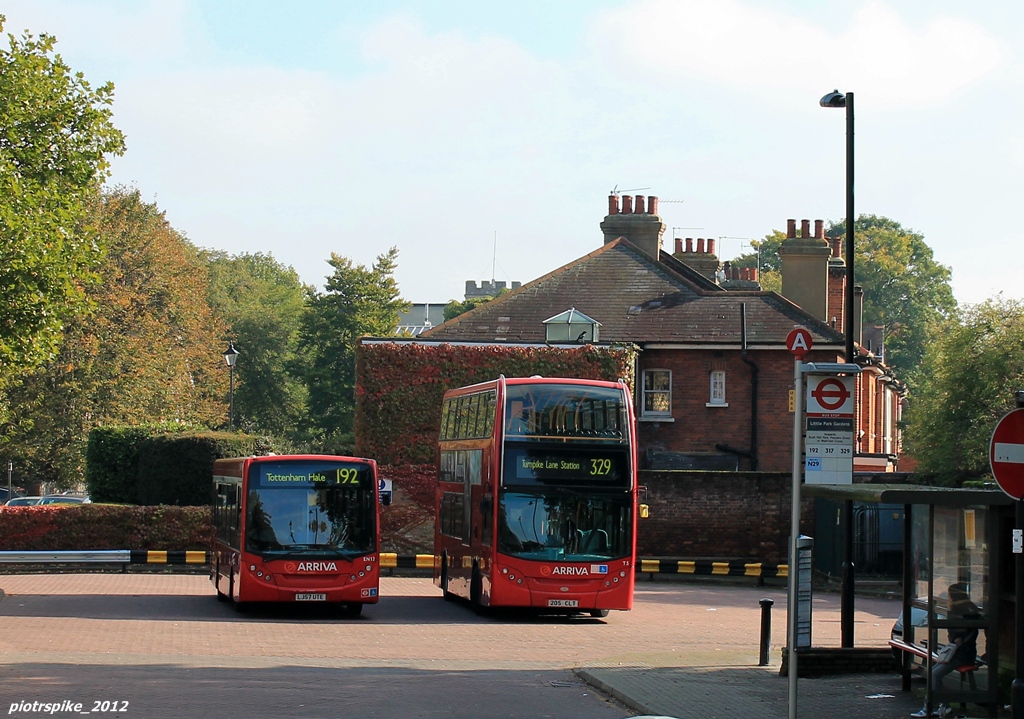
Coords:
616,694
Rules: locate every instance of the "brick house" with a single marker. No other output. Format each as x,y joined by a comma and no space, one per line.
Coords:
713,375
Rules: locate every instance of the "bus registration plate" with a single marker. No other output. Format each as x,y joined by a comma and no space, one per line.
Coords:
310,597
563,603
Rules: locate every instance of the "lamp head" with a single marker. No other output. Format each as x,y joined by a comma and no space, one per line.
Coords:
833,99
230,354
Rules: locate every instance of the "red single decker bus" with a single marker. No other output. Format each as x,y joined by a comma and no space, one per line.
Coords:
298,528
537,495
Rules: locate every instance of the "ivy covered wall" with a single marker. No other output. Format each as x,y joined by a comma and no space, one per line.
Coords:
399,386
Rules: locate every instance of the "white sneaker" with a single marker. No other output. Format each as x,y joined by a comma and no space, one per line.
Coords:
921,713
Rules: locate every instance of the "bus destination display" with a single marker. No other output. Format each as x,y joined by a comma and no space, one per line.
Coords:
574,467
292,475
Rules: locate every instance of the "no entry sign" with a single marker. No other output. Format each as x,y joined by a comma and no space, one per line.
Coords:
1006,453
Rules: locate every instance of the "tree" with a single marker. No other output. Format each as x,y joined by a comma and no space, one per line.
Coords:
55,136
149,351
357,302
263,302
454,308
969,374
905,290
765,259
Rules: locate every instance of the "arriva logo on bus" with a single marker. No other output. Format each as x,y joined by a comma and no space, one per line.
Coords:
292,567
575,571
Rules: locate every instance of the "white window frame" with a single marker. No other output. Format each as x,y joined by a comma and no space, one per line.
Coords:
655,415
717,389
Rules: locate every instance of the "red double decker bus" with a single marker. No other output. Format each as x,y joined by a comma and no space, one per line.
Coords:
537,495
297,528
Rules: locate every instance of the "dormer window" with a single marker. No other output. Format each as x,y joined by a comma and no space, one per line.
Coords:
571,327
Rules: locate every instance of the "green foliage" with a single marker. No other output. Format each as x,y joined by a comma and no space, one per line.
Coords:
967,380
454,308
906,291
112,463
164,464
398,402
357,302
148,351
105,527
263,302
177,469
55,135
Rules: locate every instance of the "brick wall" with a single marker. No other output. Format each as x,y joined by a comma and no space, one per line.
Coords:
697,428
727,515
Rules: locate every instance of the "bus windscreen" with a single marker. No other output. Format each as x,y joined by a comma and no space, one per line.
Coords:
314,506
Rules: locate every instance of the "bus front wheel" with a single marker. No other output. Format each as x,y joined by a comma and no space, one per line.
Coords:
353,609
599,613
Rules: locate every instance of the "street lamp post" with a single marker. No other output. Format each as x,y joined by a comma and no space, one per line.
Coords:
230,357
838,99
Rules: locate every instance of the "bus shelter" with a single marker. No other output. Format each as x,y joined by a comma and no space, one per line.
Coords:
957,582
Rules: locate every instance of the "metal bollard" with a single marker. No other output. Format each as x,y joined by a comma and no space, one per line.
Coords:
766,630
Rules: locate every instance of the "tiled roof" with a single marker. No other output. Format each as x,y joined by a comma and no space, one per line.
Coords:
636,300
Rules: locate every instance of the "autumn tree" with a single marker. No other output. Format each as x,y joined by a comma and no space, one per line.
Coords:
967,382
262,302
148,351
55,137
356,302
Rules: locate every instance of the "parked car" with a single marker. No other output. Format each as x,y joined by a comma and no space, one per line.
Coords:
919,618
63,499
23,502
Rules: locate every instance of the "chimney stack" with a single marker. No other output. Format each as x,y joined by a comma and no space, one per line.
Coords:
636,221
805,268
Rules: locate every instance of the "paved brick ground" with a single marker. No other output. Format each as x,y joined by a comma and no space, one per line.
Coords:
685,650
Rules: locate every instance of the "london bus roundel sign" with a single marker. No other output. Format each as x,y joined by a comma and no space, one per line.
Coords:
1006,453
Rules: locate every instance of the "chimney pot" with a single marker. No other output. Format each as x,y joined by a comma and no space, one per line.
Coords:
700,245
613,204
638,205
627,204
790,229
689,244
837,246
711,247
805,229
652,205
753,274
819,229
679,245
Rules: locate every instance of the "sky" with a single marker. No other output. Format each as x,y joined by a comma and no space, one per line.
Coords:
482,139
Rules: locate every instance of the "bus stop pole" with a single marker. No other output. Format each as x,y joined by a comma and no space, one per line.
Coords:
794,533
1017,687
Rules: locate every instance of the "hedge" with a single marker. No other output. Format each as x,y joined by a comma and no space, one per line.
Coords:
400,385
100,527
159,465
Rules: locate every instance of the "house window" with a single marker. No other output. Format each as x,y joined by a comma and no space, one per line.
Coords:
718,389
657,394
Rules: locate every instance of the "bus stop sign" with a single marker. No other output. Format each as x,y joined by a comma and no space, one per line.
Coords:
1006,453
